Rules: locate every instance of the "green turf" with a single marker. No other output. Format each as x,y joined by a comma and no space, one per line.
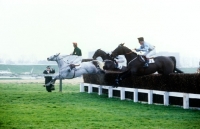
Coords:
30,106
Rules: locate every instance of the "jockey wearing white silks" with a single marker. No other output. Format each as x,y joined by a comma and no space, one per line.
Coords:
147,49
121,60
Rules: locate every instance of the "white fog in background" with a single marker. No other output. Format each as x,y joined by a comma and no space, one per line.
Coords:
32,30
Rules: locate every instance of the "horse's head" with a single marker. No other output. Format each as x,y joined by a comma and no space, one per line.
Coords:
53,58
120,50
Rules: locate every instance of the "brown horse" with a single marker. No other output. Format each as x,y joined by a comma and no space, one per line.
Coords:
162,64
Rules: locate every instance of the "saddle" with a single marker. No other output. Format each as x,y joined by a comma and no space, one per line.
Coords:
72,66
142,59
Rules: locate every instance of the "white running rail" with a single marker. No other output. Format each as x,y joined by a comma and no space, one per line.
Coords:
185,96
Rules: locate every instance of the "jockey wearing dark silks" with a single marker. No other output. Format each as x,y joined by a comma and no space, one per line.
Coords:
77,51
78,60
48,71
148,49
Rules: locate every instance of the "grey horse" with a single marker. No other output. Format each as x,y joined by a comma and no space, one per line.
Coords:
68,68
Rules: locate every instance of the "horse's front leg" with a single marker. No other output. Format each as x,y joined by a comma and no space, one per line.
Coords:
122,76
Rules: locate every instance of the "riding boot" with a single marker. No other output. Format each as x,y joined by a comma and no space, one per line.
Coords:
146,63
72,66
116,65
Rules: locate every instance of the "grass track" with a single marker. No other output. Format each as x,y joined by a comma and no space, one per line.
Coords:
30,106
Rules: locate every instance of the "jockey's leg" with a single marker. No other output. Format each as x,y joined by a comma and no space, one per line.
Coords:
146,64
149,55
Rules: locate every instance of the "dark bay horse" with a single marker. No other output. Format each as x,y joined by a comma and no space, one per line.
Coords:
109,62
162,64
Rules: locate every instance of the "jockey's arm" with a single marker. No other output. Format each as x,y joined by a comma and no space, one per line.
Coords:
143,48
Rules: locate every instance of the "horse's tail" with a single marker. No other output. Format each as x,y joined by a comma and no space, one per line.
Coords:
176,70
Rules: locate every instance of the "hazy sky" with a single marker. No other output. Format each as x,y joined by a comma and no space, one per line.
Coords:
40,28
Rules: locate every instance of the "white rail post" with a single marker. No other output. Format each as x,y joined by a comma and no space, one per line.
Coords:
166,98
122,94
135,94
82,87
150,97
100,90
110,92
60,86
90,88
185,101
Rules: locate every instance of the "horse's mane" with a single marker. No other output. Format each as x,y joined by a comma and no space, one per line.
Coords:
133,50
101,51
68,58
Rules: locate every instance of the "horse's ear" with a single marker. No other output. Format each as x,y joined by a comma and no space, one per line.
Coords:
57,54
121,44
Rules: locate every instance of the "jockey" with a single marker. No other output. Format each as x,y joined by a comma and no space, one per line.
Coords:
120,60
78,60
77,51
148,49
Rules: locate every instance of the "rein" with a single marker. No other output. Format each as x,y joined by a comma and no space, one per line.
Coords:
132,60
129,52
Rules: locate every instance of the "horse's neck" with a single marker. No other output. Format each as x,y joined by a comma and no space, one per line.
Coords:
130,57
103,56
60,63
